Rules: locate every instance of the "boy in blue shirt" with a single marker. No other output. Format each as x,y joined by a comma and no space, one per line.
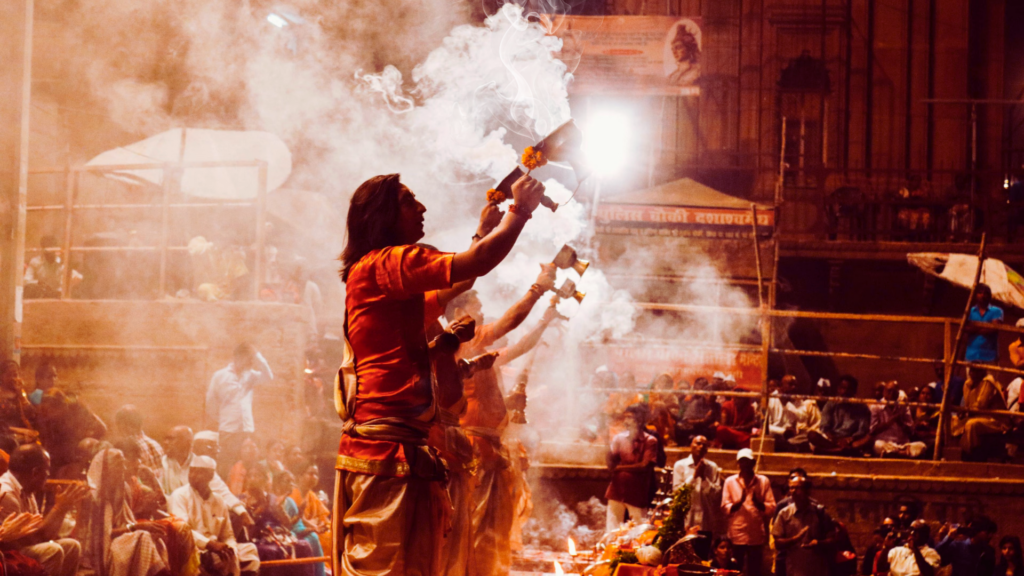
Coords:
983,344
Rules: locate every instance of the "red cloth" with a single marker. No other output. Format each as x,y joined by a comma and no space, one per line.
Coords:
737,423
385,308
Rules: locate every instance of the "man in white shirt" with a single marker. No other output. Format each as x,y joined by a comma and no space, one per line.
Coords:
207,516
789,423
706,479
229,400
178,460
915,558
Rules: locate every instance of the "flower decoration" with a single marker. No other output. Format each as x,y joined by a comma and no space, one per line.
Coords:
533,158
496,196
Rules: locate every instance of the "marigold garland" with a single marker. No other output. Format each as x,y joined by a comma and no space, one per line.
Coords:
533,158
496,196
674,526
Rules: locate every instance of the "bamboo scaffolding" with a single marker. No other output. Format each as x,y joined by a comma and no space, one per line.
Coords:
801,397
856,355
940,432
700,308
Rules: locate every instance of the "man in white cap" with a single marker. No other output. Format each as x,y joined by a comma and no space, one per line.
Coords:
208,517
748,503
176,464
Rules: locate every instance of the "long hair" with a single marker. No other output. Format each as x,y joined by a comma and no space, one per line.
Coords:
372,220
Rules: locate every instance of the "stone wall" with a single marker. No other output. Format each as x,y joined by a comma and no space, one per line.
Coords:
159,355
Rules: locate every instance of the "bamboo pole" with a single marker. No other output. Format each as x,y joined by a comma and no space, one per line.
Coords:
855,356
295,561
698,308
165,221
69,215
801,397
757,255
951,359
261,229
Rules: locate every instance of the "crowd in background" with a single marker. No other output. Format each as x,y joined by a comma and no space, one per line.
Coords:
737,523
78,495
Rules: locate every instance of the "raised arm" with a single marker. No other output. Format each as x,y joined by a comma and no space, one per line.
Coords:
490,217
485,255
532,338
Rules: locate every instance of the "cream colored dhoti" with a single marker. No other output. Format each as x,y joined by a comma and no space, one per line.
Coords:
385,525
493,514
458,544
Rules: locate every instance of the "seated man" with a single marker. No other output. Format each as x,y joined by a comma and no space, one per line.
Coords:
208,517
790,423
981,392
19,486
737,424
845,426
698,416
892,426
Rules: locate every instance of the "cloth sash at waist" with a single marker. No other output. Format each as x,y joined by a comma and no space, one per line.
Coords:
421,461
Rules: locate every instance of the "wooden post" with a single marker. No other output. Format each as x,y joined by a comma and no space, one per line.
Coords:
170,174
261,229
70,181
947,344
951,361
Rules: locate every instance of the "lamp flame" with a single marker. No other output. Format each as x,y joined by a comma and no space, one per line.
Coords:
558,567
572,548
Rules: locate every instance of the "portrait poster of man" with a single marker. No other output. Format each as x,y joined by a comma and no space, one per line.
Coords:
643,55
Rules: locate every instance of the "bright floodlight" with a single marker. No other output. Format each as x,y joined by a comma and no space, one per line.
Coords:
606,141
277,20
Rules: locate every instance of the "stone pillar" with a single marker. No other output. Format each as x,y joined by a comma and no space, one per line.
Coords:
15,95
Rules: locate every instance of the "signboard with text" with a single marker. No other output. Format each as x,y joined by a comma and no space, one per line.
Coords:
680,221
636,55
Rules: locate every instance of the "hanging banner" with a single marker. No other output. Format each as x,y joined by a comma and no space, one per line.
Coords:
635,55
680,221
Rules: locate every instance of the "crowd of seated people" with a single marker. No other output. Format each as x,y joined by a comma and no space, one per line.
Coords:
77,496
891,423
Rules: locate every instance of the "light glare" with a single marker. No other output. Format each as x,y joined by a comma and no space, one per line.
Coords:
277,20
606,141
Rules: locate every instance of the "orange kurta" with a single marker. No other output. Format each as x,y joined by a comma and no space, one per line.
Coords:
385,306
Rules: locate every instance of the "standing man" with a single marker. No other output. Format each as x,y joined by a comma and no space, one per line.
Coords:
390,498
803,530
983,343
915,557
485,419
969,550
706,479
748,503
229,400
19,488
631,459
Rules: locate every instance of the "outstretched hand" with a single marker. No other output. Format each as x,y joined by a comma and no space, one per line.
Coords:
490,217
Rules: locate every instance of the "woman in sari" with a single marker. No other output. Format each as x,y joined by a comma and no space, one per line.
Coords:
284,485
272,531
121,545
315,514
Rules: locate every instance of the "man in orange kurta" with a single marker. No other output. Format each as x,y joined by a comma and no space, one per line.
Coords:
485,418
391,507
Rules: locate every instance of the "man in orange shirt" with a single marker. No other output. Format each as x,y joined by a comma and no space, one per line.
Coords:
390,499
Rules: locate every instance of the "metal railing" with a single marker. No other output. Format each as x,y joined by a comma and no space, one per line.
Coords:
170,185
